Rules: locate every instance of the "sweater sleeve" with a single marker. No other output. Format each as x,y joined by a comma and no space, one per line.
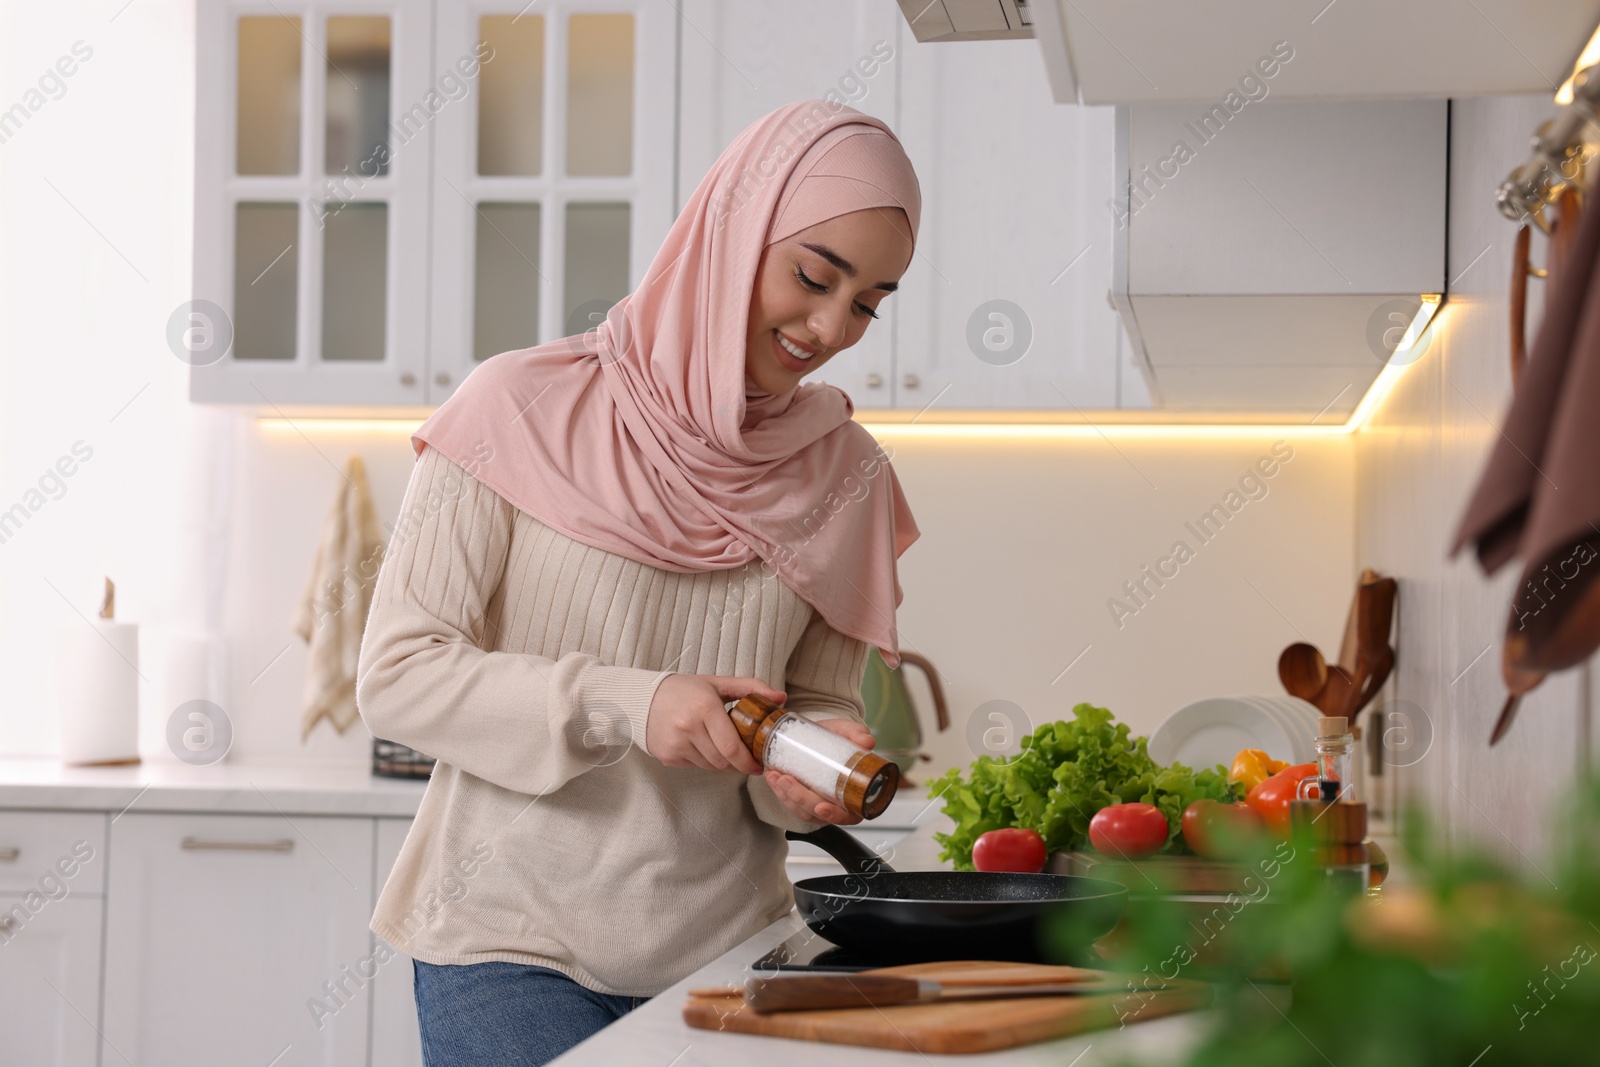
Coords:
427,676
822,681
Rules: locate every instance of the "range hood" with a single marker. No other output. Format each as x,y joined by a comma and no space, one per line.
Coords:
1271,260
1115,52
967,20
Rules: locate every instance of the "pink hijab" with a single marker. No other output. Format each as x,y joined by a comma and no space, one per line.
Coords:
645,438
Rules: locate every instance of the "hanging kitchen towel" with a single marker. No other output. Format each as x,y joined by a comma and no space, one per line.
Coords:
1539,495
333,610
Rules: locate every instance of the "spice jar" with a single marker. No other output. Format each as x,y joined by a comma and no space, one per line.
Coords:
859,781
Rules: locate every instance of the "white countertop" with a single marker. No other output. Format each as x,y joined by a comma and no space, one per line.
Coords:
229,787
262,789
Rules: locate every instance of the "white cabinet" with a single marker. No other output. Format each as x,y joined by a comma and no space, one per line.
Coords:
389,191
746,60
551,189
312,147
52,881
1004,305
50,982
395,1040
238,939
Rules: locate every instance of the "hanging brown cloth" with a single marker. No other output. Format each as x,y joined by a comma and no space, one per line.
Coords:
1539,495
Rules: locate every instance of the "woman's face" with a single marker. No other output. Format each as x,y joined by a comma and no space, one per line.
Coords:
819,289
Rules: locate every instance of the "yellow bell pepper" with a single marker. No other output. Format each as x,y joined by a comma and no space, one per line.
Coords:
1252,766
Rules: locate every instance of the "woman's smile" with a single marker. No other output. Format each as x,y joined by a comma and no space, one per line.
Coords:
792,355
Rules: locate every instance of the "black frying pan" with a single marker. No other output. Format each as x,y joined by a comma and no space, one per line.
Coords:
971,914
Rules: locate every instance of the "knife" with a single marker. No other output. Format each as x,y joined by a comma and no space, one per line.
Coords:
809,991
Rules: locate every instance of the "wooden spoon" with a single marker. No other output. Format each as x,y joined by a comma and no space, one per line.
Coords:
1303,671
1337,695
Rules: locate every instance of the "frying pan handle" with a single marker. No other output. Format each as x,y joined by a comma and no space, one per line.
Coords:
843,846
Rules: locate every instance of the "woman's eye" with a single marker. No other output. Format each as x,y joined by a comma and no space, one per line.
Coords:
814,286
818,287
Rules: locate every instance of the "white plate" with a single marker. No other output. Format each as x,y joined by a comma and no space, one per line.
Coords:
1298,719
1208,732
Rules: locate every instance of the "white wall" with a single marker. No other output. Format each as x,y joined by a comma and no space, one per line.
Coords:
95,205
1023,544
1418,462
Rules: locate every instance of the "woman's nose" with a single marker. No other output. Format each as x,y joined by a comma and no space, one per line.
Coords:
828,326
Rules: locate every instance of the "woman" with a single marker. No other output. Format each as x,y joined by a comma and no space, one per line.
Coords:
605,540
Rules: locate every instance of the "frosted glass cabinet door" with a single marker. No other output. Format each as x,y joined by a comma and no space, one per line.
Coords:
313,130
553,178
506,296
267,91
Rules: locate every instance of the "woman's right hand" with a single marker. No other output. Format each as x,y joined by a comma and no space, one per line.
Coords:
688,723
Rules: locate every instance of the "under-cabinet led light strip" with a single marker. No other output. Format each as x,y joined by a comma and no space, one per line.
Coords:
1380,389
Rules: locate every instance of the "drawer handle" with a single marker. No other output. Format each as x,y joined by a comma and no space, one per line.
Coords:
7,855
7,925
196,844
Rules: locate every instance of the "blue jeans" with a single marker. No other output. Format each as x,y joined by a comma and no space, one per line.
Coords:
506,1014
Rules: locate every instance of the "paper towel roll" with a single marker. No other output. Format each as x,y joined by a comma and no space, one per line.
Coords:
99,686
185,672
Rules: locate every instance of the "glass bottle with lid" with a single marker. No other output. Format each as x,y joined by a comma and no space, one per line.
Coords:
859,781
1335,746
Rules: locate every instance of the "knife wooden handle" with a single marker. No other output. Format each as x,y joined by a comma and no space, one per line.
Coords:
830,991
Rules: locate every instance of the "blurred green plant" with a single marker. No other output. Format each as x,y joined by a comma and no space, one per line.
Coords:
1468,964
1066,772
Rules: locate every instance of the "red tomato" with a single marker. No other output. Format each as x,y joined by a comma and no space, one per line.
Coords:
1271,798
1015,849
1220,831
1128,831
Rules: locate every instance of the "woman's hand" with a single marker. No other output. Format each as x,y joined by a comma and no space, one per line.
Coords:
688,723
799,798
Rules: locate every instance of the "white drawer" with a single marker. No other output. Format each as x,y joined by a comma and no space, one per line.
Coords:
60,847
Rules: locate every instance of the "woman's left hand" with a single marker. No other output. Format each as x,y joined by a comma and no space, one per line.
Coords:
800,799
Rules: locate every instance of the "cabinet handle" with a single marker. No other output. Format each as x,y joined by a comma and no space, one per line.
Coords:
7,925
874,381
9,854
408,378
911,381
441,378
283,844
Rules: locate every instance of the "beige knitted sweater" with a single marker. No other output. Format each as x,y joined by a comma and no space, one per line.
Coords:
525,662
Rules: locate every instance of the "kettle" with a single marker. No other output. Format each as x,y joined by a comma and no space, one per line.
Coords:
890,713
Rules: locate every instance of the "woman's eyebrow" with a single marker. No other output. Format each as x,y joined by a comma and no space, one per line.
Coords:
844,264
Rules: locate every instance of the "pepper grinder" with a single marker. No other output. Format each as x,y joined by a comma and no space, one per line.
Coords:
859,781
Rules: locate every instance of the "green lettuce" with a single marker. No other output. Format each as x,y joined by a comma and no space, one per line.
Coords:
1065,773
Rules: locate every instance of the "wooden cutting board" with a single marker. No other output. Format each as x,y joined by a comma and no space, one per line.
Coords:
957,1026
